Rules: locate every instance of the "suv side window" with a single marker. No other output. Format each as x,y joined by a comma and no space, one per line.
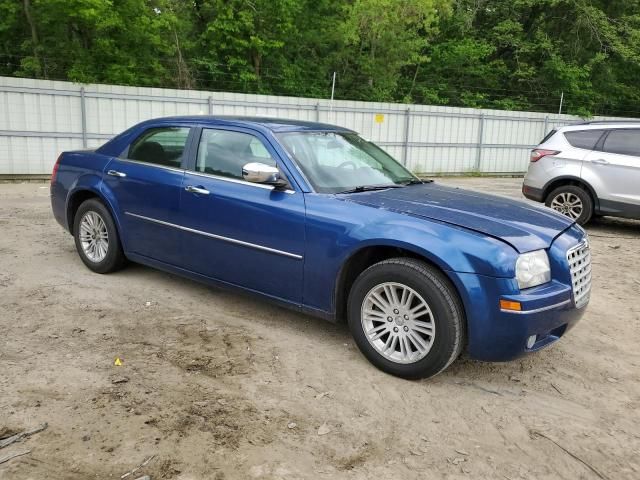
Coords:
224,152
160,146
623,142
584,138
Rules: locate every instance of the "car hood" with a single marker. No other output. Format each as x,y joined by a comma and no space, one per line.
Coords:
523,226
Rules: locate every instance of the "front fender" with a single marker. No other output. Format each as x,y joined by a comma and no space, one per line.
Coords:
449,247
330,244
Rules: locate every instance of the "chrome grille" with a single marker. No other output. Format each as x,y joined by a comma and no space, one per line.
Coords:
579,258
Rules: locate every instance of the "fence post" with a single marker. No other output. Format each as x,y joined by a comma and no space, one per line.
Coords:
407,125
317,111
210,103
83,118
480,143
546,126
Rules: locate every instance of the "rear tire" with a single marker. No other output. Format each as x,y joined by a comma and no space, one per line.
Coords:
386,302
572,201
96,237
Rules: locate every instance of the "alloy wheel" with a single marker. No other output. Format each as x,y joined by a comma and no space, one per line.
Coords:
568,204
398,322
94,237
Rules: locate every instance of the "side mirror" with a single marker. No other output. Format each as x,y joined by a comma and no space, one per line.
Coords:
256,172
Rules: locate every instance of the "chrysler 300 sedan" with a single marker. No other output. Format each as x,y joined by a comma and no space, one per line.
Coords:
316,218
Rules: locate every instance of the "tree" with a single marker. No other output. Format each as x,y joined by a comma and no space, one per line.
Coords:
380,38
507,54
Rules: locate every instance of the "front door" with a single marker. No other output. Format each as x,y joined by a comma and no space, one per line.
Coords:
242,233
145,183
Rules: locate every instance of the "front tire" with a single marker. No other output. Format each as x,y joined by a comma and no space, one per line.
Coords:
573,202
406,318
96,238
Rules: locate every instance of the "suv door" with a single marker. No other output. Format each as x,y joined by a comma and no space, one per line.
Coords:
242,233
613,170
145,182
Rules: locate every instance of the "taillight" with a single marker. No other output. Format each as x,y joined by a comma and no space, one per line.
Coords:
54,173
539,153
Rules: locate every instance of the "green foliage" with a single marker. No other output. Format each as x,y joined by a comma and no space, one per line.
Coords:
505,54
523,54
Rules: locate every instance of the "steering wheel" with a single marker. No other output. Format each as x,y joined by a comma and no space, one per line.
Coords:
347,163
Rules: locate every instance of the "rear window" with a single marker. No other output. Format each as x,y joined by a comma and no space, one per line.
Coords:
584,138
624,142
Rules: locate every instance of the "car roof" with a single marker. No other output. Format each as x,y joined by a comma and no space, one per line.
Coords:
268,123
600,125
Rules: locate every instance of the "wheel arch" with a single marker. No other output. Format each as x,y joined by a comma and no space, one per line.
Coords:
82,193
367,255
570,180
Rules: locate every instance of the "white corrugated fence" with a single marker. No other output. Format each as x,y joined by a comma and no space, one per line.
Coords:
41,118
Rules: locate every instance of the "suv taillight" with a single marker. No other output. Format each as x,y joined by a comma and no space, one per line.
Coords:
539,153
54,173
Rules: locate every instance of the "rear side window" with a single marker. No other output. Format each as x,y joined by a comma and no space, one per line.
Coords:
623,142
160,146
224,153
586,139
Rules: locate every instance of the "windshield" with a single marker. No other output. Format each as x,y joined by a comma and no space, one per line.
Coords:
337,162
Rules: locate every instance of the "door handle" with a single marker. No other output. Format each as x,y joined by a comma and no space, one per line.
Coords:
198,190
600,161
115,173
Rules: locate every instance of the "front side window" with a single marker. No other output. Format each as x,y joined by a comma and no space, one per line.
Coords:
337,162
224,153
623,142
160,146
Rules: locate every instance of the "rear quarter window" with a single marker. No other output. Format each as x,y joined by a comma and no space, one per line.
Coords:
586,139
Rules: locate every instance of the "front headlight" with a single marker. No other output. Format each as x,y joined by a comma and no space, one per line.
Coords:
533,269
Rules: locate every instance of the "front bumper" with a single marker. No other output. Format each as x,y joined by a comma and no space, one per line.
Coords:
548,311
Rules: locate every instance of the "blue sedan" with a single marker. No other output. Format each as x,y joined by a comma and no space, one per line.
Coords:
318,219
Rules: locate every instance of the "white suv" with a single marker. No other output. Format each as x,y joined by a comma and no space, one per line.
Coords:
588,169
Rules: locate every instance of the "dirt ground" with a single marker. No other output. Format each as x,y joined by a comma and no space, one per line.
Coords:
219,385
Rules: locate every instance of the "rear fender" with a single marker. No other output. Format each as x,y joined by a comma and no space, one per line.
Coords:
92,182
572,180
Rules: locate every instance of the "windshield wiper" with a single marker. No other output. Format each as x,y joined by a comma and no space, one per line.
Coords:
370,188
416,181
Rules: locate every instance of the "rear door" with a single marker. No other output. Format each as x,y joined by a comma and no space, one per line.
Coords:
613,170
243,233
145,182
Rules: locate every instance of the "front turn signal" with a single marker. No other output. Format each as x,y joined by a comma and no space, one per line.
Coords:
510,305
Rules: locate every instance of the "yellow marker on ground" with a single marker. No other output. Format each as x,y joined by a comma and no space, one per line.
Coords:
118,362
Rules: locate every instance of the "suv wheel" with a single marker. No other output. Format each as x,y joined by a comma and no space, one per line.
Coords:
572,201
406,318
97,238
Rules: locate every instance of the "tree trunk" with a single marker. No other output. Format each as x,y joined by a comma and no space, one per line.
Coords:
257,61
34,36
184,79
413,83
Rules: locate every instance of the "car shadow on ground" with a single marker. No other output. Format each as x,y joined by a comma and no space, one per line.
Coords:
614,227
246,310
